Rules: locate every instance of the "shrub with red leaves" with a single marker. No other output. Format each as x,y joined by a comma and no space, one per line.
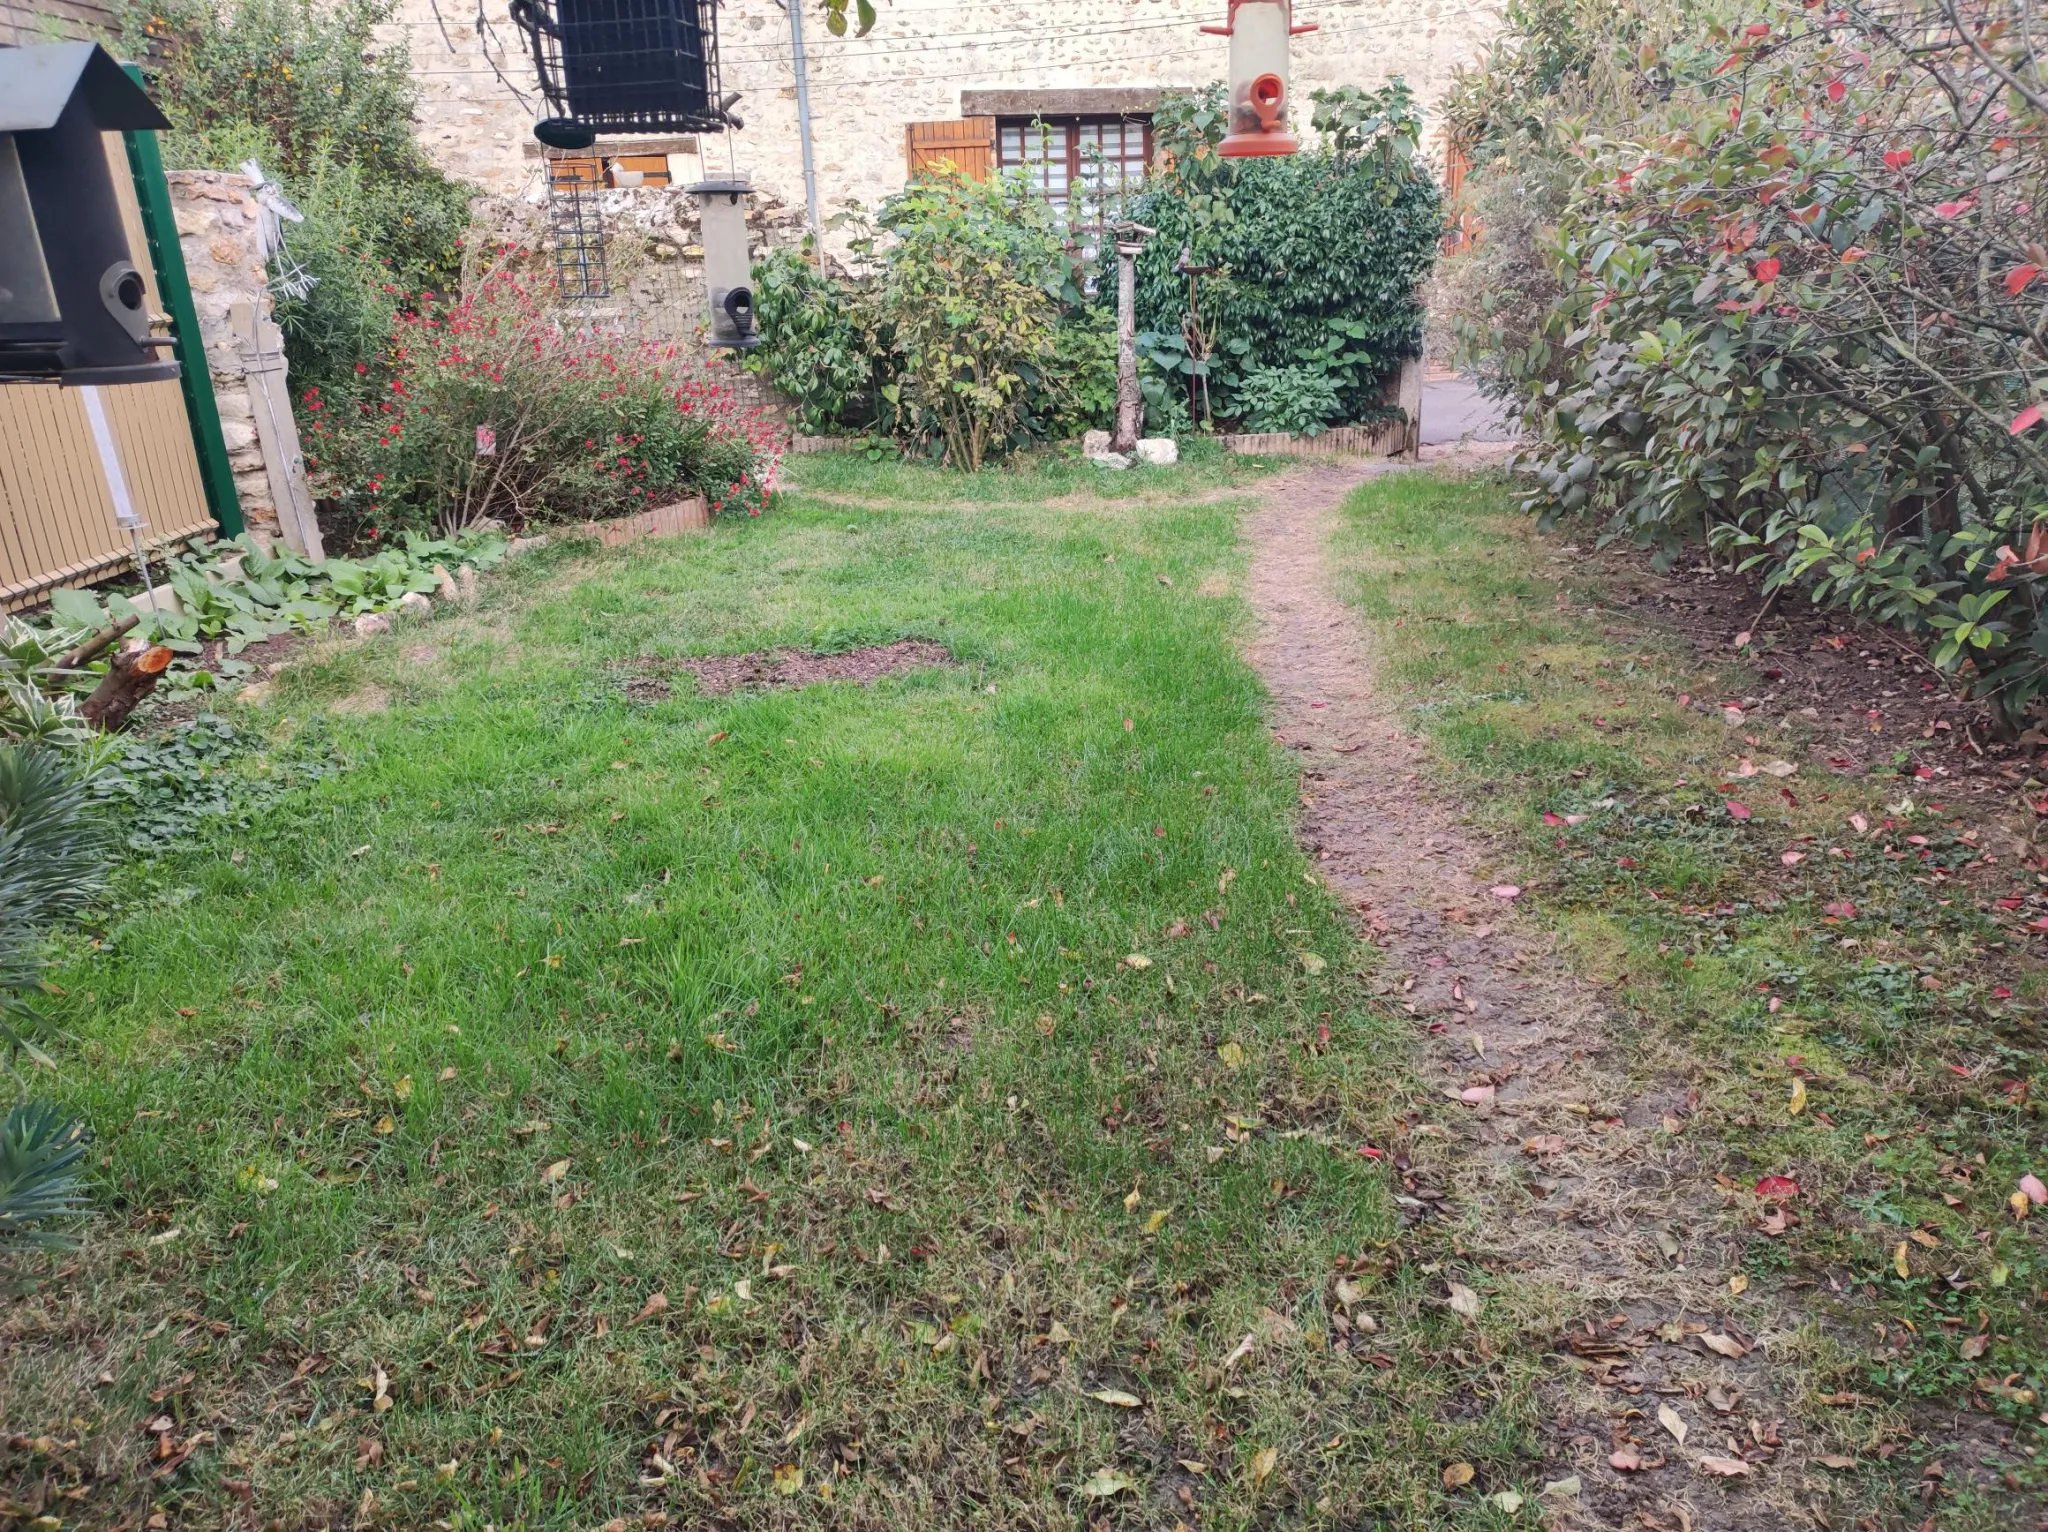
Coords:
493,406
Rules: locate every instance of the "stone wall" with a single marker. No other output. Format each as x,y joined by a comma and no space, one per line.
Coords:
916,66
218,231
24,23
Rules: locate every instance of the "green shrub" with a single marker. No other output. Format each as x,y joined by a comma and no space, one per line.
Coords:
309,90
1799,314
817,341
1321,256
1300,399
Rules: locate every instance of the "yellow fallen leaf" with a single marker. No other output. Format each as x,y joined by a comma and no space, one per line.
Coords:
1263,1463
554,1172
1138,961
1117,1397
1105,1483
1798,1102
1899,1262
1458,1475
789,1478
1312,963
1157,1220
1231,1055
1670,1420
2020,1205
402,1088
1739,1283
1131,1201
385,1125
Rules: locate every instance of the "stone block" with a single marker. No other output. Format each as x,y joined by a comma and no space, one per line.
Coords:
1094,442
1162,451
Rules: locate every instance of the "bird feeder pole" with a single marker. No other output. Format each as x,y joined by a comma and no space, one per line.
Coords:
1258,31
1130,403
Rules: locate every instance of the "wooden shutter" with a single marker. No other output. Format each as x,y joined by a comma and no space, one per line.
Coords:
968,144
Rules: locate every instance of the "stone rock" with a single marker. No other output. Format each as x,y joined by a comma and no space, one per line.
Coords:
1094,443
370,624
520,545
444,584
414,604
1109,460
257,694
465,583
1163,451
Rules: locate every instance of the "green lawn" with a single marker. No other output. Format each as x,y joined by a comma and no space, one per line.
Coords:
1871,969
938,1103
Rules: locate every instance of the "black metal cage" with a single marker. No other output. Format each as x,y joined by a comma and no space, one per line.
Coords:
627,66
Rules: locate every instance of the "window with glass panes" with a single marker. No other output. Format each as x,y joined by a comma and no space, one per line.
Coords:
1079,164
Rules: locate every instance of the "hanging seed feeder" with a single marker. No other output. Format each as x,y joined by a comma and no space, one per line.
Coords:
1258,31
728,267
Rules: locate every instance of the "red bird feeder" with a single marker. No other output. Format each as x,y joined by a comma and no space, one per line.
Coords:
1258,31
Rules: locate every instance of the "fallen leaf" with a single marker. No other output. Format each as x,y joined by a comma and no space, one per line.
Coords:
1107,1482
1737,810
1628,1460
1725,1345
789,1478
1792,858
1899,1261
2020,1204
1157,1220
1544,1143
1780,768
1726,1468
1841,909
1975,1346
1312,963
1669,1419
1118,1397
1798,1102
386,1125
1739,1283
1777,1188
1505,891
1458,1475
1263,1463
1464,1301
2036,1192
1835,1460
1231,1056
1473,1095
554,1172
1563,1489
1507,1499
1858,823
650,1308
1138,961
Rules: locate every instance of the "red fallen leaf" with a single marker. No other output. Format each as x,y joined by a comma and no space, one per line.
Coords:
2036,1192
1624,861
1628,1460
2011,903
1897,159
2001,993
1792,858
1757,29
2025,419
1959,1070
1777,1188
1837,90
1737,810
1553,819
2040,925
1850,257
1766,270
1371,1153
2017,279
1472,1095
1726,1468
1951,209
1841,909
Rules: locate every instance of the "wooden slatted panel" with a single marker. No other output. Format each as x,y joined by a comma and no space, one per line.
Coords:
968,144
56,519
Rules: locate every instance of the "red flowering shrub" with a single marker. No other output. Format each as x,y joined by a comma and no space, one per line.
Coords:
492,406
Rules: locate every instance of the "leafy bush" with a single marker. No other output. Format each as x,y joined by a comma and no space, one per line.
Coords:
1321,256
310,90
491,408
1299,399
960,330
1800,314
41,1149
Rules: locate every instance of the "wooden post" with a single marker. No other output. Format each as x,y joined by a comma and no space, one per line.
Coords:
1130,403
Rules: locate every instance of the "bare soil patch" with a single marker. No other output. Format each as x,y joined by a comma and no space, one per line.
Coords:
718,674
1575,1174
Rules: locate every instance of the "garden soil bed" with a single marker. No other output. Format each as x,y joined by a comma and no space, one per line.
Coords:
718,674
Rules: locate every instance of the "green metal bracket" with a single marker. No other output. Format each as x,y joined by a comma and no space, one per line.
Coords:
160,228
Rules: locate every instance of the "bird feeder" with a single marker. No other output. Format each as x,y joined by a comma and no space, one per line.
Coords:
728,268
1258,31
624,66
73,308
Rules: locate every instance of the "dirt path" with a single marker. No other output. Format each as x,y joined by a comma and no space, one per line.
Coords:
1573,1170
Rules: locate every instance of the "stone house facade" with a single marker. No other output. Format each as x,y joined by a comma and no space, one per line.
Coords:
1064,91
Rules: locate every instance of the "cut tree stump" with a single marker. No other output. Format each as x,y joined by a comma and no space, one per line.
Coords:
131,676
